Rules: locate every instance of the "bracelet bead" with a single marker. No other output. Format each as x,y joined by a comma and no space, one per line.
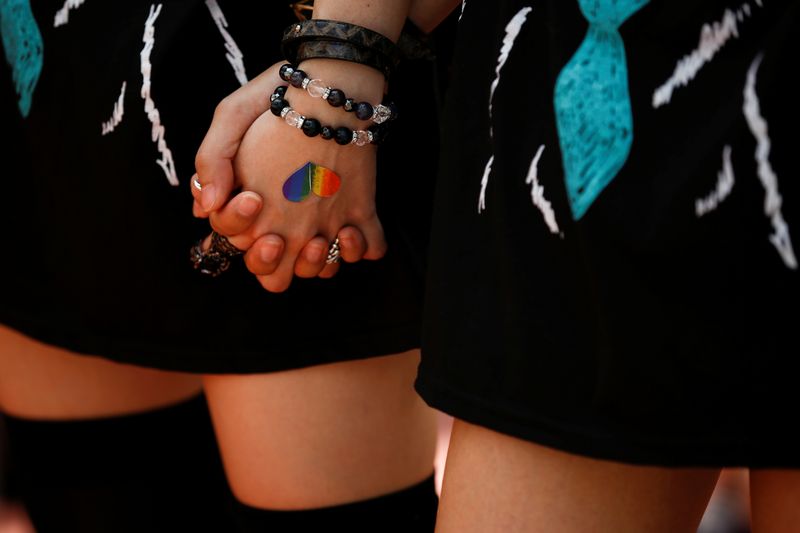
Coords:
336,98
361,138
317,88
311,127
364,111
286,72
277,106
294,119
327,133
297,78
343,136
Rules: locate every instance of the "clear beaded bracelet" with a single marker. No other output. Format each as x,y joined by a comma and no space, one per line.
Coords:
335,97
312,127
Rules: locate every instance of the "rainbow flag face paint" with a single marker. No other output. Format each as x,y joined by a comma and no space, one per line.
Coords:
309,178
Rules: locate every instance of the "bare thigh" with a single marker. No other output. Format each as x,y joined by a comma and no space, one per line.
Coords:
497,483
324,435
775,501
39,381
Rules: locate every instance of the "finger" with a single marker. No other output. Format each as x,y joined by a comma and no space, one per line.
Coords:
238,214
198,211
312,258
265,255
196,188
329,271
352,243
232,118
376,242
281,278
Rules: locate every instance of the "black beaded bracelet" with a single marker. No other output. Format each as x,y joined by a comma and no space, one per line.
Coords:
312,127
335,97
317,30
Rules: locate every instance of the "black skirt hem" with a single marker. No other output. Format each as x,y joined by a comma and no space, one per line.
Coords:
376,342
596,443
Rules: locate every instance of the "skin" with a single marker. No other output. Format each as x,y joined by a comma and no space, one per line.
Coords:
324,435
41,382
497,483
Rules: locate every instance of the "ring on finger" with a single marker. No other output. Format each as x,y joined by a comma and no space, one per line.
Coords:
215,260
334,253
196,183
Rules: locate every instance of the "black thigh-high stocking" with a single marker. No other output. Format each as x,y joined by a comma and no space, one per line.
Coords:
158,471
411,510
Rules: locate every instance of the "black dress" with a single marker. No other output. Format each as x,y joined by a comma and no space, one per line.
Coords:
614,259
97,209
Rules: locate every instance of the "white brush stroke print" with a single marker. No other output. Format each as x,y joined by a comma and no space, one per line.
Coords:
233,54
780,238
119,110
725,181
62,15
712,38
157,133
537,194
512,32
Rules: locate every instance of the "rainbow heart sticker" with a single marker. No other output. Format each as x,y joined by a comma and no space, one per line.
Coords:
310,178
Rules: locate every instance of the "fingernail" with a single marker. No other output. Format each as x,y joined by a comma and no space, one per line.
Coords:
249,205
208,197
269,253
315,254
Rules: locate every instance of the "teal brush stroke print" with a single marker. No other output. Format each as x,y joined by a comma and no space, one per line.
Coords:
592,104
22,42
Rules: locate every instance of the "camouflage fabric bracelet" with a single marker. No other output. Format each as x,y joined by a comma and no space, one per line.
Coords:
344,52
375,49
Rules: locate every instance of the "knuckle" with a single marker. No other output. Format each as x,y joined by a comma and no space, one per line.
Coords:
223,108
202,160
217,224
229,106
362,214
255,266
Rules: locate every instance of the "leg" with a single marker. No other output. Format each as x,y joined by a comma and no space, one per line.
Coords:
774,497
97,446
323,436
494,482
38,381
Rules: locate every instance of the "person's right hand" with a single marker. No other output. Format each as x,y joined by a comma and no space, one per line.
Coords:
234,218
271,151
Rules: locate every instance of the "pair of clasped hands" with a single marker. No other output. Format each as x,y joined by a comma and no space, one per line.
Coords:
248,147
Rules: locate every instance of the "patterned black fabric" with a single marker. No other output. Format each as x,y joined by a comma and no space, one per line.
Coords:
660,326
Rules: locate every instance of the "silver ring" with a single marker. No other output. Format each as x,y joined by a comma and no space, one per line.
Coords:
334,253
196,183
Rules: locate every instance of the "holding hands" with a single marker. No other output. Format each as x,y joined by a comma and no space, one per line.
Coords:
287,229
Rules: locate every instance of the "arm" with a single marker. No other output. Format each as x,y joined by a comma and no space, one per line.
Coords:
427,14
